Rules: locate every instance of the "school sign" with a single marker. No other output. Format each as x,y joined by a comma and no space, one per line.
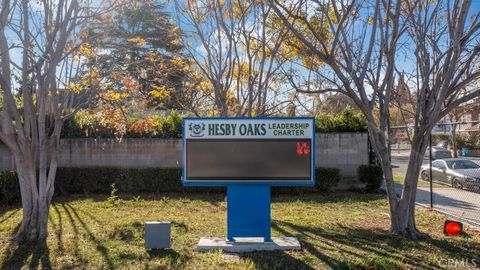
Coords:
227,151
248,156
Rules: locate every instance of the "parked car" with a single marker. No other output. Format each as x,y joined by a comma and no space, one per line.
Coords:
438,153
443,144
458,172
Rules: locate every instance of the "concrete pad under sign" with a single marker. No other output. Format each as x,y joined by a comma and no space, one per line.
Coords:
278,243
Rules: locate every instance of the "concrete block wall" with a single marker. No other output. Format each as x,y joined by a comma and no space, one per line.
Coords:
111,153
125,153
345,151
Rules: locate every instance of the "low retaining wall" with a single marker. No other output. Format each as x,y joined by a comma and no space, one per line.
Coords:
345,151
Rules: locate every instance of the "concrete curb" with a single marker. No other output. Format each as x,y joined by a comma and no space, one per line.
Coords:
278,243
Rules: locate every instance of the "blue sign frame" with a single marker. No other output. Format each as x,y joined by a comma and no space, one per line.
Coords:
305,183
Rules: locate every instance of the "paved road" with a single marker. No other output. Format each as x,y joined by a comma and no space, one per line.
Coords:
453,202
400,162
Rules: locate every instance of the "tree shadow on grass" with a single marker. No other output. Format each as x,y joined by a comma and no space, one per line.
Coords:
181,226
58,228
81,229
74,218
327,197
371,248
276,260
171,257
18,254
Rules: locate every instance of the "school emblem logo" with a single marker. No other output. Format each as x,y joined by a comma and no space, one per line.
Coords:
196,130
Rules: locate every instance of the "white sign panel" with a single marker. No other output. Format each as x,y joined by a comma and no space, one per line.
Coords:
254,128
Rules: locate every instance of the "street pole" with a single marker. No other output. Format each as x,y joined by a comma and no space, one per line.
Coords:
431,176
454,144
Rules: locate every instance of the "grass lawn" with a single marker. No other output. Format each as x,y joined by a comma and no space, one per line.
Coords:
400,179
339,231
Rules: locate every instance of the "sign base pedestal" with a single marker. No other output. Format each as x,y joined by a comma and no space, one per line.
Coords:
248,212
277,243
248,223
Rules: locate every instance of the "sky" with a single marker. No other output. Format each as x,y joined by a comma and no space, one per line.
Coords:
405,60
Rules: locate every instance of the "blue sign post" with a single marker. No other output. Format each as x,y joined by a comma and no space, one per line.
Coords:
248,211
248,156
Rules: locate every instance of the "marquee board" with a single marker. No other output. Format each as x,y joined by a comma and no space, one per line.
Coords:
232,151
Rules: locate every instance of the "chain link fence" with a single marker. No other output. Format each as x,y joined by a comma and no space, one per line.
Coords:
450,174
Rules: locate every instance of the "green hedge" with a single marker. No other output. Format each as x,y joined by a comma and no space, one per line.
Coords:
9,189
347,121
371,175
127,180
98,180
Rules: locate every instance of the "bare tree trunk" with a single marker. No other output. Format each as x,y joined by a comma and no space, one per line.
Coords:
27,179
221,101
224,110
402,207
35,204
24,173
403,222
34,224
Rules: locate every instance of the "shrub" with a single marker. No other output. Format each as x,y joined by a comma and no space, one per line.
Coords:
87,124
143,128
371,175
325,123
9,189
327,178
347,121
126,180
71,129
99,180
171,126
470,140
113,199
351,121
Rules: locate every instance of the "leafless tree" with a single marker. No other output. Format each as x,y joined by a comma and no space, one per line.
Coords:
360,58
237,50
35,100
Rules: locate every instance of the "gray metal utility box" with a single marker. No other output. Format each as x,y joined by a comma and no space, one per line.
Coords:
157,234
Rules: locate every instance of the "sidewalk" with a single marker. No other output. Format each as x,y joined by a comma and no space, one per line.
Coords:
458,204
